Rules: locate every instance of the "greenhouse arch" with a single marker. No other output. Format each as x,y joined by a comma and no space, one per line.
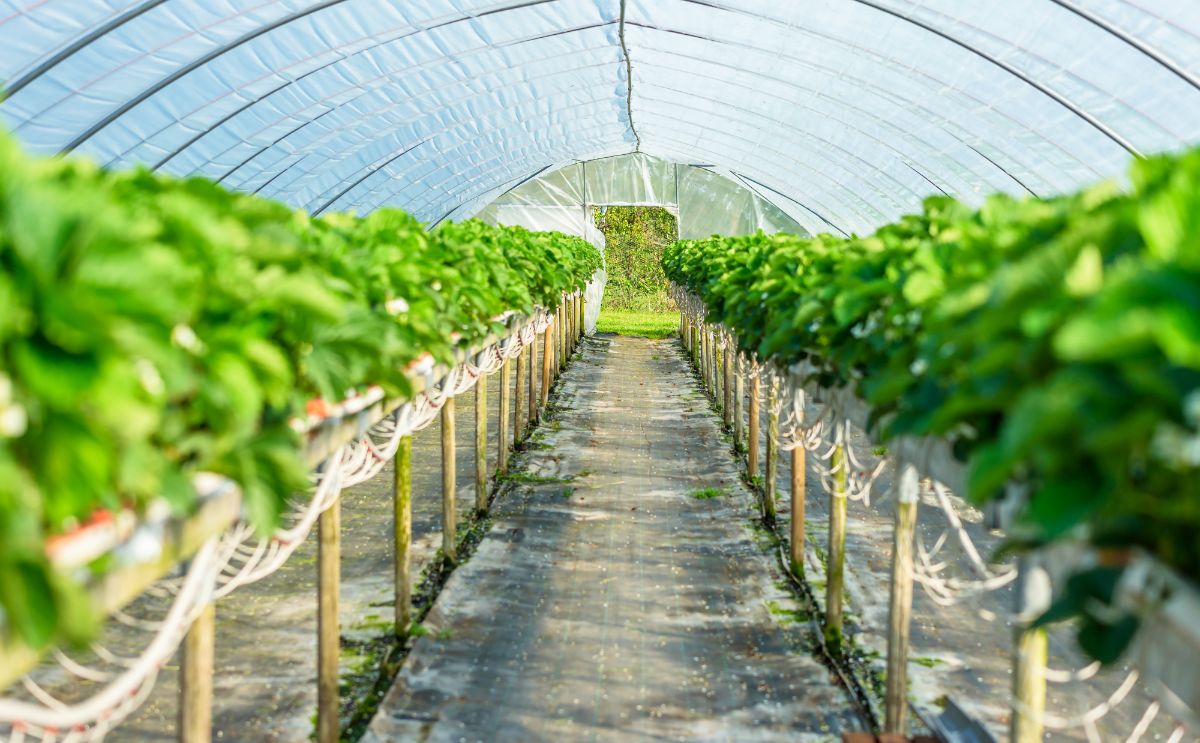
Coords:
433,107
310,398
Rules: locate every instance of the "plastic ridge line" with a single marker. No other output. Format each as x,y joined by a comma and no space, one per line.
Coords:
628,81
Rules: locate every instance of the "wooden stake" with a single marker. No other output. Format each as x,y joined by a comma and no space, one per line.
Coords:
900,608
519,403
449,484
402,534
481,413
837,550
752,430
547,357
196,678
772,465
552,344
727,385
739,397
709,361
505,413
328,632
532,397
1029,657
798,483
718,355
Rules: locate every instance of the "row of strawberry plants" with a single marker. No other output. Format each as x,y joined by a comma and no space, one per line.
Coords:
152,328
1054,343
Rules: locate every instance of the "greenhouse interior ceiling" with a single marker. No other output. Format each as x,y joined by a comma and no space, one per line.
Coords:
853,110
606,370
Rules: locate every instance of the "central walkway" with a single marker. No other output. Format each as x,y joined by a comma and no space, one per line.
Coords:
608,602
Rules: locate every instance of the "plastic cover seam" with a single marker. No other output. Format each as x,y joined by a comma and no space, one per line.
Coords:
628,80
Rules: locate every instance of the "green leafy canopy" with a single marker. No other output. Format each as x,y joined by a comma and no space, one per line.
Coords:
1055,343
152,328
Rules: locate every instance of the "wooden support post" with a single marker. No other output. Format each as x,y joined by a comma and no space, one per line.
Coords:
900,608
196,678
555,345
1029,657
481,413
706,366
772,465
560,329
402,534
328,632
532,382
519,403
836,560
727,386
578,319
505,413
449,484
714,366
718,357
547,355
739,396
708,360
695,349
797,536
752,429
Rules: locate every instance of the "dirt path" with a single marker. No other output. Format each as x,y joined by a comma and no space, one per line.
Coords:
607,602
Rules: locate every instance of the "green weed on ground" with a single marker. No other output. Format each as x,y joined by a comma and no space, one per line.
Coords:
646,324
709,493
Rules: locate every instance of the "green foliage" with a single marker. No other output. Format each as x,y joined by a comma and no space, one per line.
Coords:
152,328
635,237
646,324
1055,343
709,493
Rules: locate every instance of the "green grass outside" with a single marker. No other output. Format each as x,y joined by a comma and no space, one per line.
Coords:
646,324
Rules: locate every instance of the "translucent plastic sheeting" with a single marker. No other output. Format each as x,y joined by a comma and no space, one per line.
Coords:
845,112
571,219
705,202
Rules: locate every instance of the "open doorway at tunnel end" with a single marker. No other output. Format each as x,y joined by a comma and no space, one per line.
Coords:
635,299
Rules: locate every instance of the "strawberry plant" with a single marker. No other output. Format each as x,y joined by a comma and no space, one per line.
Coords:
152,328
1055,343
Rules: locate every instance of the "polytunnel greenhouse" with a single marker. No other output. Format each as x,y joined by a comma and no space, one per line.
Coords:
601,370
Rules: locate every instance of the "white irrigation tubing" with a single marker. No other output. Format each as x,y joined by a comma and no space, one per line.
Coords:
797,430
1056,676
42,720
1086,720
226,563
